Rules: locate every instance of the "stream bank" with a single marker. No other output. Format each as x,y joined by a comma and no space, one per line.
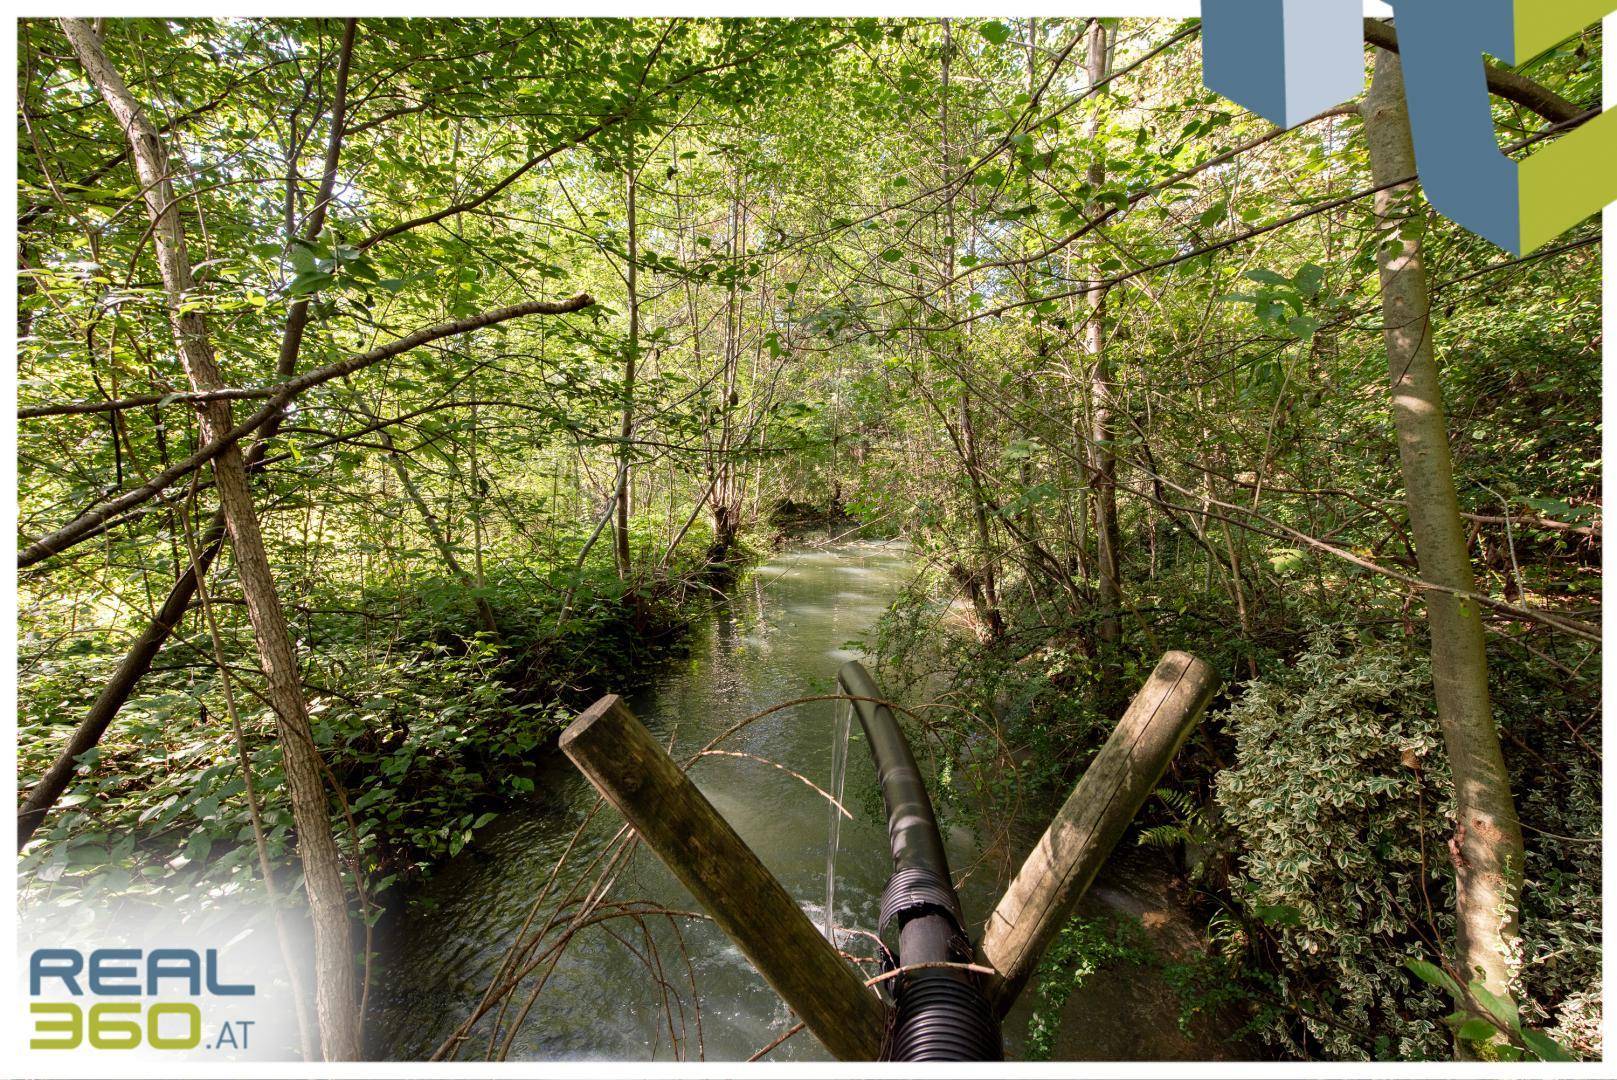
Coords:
779,636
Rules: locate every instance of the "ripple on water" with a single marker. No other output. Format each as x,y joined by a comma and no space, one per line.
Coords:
601,1001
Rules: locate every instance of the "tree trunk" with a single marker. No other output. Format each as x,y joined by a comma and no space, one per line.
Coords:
620,532
725,500
1488,842
984,589
435,532
990,612
138,660
1102,457
334,969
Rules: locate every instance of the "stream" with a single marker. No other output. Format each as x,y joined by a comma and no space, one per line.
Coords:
785,630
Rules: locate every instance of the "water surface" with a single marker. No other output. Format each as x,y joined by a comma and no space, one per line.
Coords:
786,629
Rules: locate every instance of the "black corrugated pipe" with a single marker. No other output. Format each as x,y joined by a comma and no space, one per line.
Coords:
942,1014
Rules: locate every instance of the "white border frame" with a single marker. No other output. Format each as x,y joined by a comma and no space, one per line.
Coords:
12,1038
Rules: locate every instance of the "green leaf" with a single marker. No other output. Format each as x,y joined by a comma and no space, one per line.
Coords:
1215,214
1429,972
997,33
304,284
1279,914
1545,1048
1304,326
1503,1009
1309,280
1286,560
1267,277
1477,1030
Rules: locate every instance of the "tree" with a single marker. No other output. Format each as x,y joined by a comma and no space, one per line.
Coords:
335,998
1103,435
631,359
1487,845
138,660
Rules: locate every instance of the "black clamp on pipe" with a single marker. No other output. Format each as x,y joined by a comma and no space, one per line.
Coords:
914,890
942,1013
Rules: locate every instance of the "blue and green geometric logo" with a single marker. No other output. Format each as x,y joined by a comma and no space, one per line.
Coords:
1289,60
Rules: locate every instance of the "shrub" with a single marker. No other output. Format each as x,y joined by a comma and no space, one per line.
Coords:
1336,807
431,729
1082,948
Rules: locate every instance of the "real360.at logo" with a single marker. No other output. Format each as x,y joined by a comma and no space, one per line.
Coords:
81,999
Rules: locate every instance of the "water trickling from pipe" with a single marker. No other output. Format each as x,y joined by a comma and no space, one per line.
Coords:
839,776
438,956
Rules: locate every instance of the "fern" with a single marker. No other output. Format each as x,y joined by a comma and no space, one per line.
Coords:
1191,826
1163,836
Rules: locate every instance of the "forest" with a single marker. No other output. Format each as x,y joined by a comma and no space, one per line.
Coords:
390,389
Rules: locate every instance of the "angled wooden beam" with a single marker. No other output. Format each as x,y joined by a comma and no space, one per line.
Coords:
635,774
1092,820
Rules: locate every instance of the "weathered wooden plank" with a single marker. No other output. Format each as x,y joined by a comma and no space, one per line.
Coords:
1093,819
632,770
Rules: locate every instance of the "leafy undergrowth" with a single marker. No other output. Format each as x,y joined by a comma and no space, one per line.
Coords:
1082,948
1309,814
429,727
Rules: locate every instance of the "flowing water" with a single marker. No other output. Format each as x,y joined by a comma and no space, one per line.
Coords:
788,627
781,636
837,810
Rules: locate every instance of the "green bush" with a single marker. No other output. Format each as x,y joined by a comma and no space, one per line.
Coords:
430,727
1558,798
1337,807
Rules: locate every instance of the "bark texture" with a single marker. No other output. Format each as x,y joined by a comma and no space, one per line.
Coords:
1487,845
1102,456
335,1002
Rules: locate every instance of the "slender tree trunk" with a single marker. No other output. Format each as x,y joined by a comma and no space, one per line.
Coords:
983,584
631,356
1487,846
1102,456
138,660
435,532
979,506
1029,519
334,969
480,488
724,503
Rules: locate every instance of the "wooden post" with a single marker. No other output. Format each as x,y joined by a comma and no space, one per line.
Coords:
1092,820
632,770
